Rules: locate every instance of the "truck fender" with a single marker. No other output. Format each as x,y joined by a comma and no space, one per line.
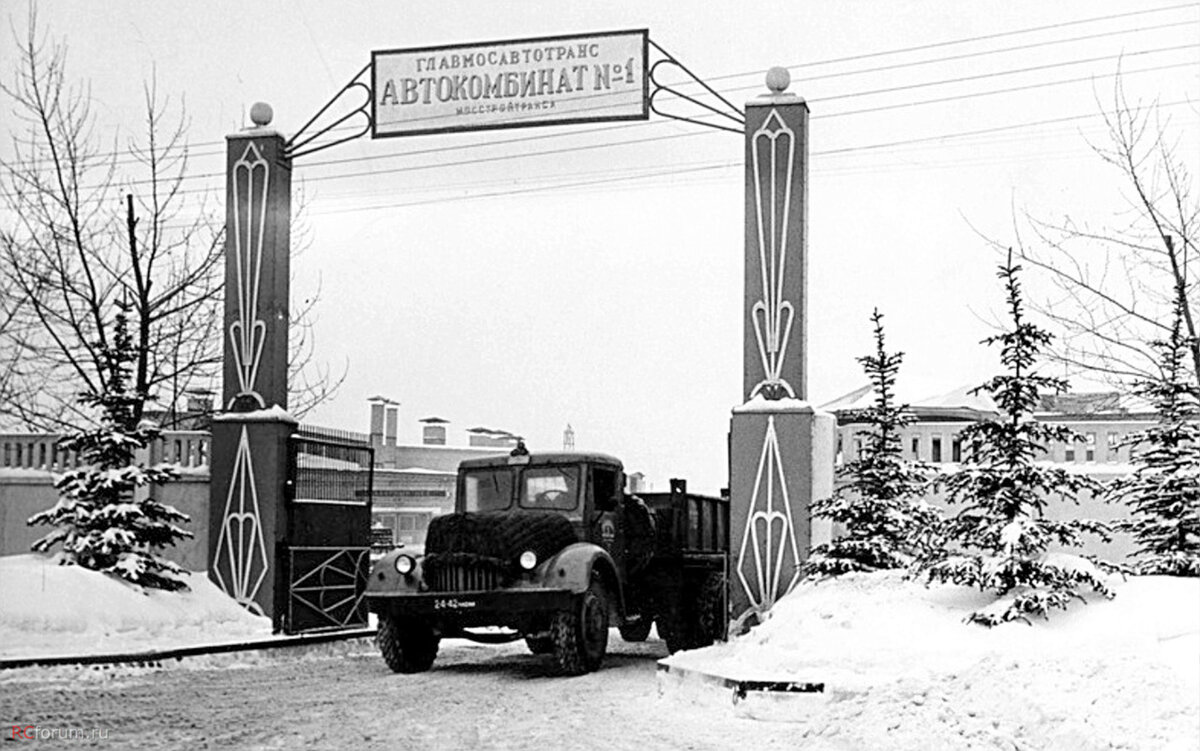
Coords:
384,579
572,569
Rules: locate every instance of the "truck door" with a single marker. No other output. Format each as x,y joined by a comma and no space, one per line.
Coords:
607,530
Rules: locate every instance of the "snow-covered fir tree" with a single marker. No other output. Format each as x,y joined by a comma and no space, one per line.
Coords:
1000,538
100,521
880,499
1163,491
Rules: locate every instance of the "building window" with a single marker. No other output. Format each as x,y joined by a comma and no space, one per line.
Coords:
935,449
388,522
956,449
1089,447
916,447
1069,455
1113,448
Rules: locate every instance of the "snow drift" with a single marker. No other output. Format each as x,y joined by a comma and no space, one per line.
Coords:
903,671
48,610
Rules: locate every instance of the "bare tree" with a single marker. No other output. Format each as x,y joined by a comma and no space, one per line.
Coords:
85,225
310,381
68,256
1114,287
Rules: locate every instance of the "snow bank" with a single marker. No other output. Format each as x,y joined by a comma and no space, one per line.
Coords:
49,610
902,669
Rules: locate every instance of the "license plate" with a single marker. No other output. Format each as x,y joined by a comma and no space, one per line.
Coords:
453,603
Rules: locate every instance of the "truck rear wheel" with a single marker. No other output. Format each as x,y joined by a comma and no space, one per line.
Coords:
695,623
710,611
638,630
408,646
672,627
580,634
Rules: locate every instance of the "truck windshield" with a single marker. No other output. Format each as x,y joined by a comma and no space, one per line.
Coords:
488,490
554,488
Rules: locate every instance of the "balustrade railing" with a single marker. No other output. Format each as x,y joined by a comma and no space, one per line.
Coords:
189,449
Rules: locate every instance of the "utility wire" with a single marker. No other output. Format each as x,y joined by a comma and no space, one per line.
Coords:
671,136
704,168
710,167
883,53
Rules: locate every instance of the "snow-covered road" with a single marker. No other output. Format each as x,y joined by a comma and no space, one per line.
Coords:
345,697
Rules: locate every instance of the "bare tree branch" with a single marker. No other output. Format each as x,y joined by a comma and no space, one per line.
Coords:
81,230
1116,286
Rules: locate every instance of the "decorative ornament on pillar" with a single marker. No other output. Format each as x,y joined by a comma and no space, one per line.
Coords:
775,323
241,561
770,533
257,266
251,179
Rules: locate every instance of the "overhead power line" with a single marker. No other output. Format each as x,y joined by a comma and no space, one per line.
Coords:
968,40
724,165
884,53
668,136
691,170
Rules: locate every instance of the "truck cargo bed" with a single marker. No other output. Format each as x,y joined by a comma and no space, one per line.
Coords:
688,523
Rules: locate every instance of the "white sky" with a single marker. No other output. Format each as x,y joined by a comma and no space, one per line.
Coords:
487,293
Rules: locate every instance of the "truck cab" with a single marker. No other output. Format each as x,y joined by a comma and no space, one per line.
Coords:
585,488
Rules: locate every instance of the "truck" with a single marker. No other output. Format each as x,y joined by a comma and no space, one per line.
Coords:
550,548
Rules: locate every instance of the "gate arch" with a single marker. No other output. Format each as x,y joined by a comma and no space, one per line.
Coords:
781,449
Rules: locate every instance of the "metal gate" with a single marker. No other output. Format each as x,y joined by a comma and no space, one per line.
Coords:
328,543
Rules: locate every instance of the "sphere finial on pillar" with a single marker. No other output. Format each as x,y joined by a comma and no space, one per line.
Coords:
778,79
261,114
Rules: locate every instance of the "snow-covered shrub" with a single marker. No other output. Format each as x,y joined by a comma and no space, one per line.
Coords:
1163,491
99,520
1000,538
880,503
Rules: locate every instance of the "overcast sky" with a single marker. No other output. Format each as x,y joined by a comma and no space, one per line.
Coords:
591,274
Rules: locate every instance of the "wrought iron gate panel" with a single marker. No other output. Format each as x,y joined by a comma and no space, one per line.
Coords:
328,531
326,587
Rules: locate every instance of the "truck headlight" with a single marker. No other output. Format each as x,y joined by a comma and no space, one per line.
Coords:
405,565
528,560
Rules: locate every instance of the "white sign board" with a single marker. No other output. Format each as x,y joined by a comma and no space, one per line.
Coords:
510,84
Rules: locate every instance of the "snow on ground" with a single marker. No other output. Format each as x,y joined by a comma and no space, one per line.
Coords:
50,610
902,670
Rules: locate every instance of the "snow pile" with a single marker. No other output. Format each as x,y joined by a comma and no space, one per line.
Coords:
48,610
903,671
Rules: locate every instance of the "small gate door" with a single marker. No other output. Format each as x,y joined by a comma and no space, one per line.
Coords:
328,543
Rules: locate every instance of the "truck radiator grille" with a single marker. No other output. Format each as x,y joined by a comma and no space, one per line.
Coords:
458,578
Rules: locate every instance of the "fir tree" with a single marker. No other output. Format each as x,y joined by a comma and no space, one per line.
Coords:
1163,491
1001,533
99,520
880,503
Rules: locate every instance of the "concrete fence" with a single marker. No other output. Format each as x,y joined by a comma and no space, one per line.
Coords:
30,464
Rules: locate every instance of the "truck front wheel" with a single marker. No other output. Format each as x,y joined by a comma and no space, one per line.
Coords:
539,645
580,634
408,646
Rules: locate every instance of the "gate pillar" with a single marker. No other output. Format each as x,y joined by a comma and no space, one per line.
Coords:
249,454
781,448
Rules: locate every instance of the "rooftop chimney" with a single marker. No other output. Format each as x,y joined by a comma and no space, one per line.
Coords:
434,431
393,416
379,405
